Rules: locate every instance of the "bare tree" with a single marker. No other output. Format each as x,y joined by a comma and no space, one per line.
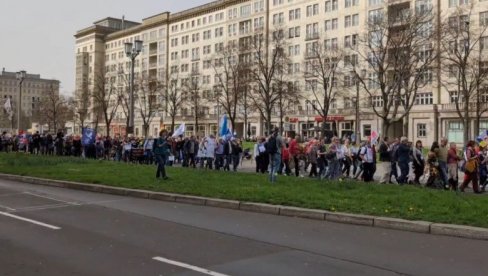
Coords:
82,106
321,73
54,110
192,91
397,47
174,97
265,71
465,65
105,98
287,94
231,73
247,108
149,91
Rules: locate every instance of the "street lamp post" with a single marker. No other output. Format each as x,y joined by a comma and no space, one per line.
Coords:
132,51
21,75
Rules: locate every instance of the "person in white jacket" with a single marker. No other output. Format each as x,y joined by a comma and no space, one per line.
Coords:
210,145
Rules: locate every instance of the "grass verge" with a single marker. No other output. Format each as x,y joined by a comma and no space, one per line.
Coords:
406,202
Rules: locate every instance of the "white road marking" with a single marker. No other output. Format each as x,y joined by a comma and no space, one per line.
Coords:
50,198
6,207
42,207
187,266
31,221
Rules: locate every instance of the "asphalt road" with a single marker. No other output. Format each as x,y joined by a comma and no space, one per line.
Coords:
51,231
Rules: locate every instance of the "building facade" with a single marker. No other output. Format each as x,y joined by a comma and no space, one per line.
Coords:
34,89
185,47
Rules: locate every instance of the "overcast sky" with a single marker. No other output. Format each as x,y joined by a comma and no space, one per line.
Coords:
37,35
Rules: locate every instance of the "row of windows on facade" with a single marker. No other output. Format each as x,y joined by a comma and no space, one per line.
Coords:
233,12
311,48
25,98
296,108
279,18
259,6
16,89
26,84
427,98
330,5
245,28
349,41
312,30
311,10
310,66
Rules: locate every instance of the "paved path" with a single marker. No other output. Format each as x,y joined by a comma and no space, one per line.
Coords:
52,231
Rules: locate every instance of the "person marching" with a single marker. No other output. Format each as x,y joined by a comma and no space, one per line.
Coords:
161,150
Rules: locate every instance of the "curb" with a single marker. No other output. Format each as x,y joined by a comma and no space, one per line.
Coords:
405,225
425,227
350,219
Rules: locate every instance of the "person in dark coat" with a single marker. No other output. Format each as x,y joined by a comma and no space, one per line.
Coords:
403,155
161,150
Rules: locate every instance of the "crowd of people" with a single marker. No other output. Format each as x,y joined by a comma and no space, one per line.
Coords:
394,160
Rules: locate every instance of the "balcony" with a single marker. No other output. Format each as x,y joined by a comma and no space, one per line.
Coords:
471,107
311,55
153,65
153,52
396,2
244,32
312,36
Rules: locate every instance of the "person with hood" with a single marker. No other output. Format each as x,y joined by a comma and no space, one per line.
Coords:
161,150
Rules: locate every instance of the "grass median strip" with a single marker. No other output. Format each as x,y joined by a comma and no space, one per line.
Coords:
406,202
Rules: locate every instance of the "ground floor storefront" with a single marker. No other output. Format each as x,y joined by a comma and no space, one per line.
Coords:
424,123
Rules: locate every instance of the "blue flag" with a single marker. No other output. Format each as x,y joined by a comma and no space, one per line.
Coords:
224,126
88,137
482,136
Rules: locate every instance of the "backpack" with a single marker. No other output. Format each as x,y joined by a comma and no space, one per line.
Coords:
469,165
272,145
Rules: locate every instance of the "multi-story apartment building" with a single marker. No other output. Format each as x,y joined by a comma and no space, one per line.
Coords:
184,48
34,90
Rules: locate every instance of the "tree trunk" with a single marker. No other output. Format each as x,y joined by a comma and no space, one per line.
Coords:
477,124
385,128
323,129
233,123
127,124
172,123
268,122
196,124
466,121
246,130
478,114
282,124
146,129
405,125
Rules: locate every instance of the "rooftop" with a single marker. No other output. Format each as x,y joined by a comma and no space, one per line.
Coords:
7,74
